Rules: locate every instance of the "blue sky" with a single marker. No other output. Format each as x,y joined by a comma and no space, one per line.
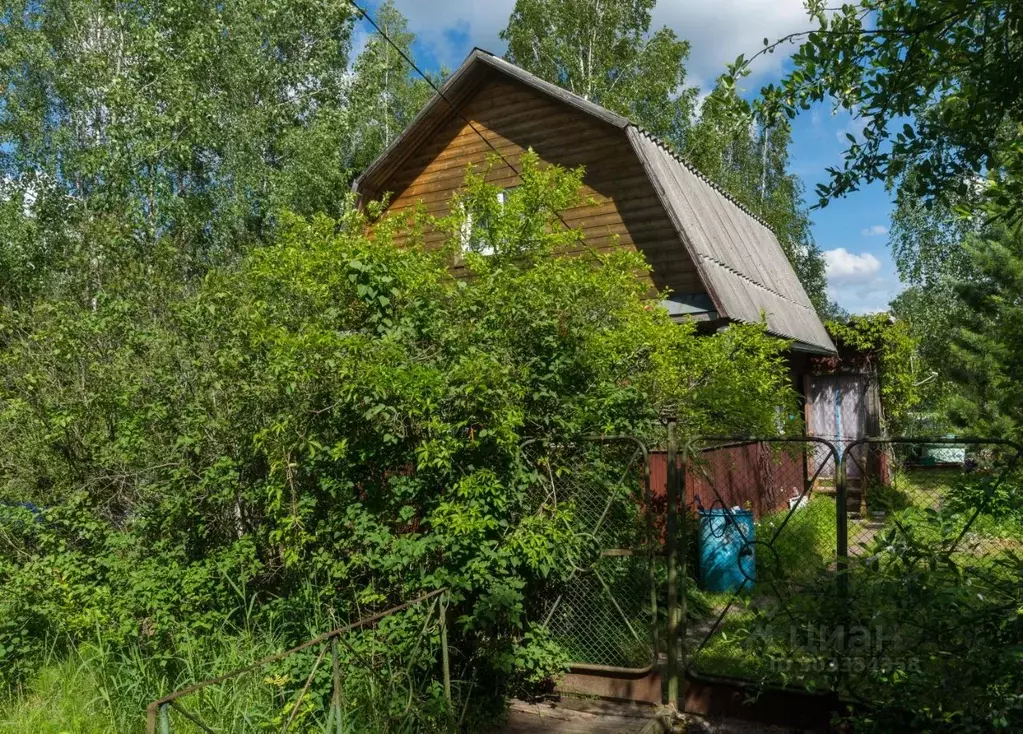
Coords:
853,232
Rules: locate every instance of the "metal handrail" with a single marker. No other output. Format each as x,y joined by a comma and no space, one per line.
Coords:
159,709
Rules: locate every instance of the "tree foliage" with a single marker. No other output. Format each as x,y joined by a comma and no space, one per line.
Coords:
148,121
936,87
935,83
383,93
985,365
603,51
928,248
128,126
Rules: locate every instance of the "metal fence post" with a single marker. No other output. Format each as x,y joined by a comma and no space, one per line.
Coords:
841,526
445,662
336,694
683,611
671,550
165,719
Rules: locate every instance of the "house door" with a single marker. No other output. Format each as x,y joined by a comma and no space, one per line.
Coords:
838,412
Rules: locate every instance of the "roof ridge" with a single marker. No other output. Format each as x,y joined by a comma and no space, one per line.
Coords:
663,144
658,140
758,284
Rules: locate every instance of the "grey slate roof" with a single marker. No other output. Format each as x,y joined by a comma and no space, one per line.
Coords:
738,257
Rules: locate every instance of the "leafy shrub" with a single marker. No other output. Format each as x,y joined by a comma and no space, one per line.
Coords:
882,497
999,497
333,425
921,642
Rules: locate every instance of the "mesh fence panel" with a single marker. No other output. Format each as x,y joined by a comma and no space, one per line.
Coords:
963,497
839,584
603,615
761,529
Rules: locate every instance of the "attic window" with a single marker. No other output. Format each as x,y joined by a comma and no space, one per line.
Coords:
471,239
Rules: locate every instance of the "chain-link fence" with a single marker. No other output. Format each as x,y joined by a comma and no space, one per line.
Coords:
603,614
761,527
822,567
957,496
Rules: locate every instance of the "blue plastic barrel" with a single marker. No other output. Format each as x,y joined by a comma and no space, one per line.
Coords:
727,558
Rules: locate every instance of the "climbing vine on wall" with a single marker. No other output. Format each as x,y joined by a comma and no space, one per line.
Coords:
879,342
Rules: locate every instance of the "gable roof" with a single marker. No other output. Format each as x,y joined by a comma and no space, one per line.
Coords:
738,257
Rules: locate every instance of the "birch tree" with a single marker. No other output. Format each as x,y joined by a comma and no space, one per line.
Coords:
603,51
146,125
384,93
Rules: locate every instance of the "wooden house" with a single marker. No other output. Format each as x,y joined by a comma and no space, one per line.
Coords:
720,263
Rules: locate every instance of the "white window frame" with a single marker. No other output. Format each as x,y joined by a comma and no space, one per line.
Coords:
466,233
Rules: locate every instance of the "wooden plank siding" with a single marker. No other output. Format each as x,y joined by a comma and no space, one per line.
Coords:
514,118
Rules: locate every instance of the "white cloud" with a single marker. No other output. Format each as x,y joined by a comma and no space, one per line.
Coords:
860,282
866,298
853,126
445,25
718,31
844,267
875,230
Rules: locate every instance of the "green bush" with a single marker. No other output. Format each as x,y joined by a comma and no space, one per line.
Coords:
883,497
921,642
334,425
999,497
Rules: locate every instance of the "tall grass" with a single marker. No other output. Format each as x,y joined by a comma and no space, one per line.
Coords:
97,686
806,543
94,687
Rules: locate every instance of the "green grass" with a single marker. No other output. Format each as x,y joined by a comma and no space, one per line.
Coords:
805,544
96,689
934,506
930,506
887,498
921,488
726,652
63,697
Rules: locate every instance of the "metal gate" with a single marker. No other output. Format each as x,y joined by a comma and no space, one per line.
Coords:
757,536
792,552
604,614
761,524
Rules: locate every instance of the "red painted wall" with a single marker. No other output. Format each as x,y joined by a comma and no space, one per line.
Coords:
757,476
